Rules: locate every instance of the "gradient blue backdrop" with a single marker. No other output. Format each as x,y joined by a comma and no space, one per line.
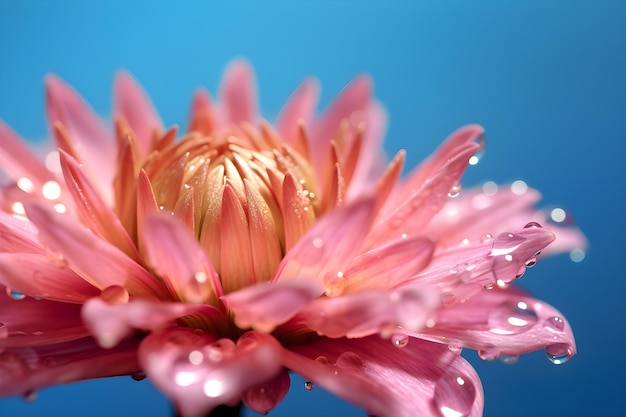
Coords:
545,78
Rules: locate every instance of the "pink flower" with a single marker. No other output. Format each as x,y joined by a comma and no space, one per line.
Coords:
220,260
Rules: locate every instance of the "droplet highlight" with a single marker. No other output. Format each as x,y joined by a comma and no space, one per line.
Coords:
308,385
454,395
559,353
511,318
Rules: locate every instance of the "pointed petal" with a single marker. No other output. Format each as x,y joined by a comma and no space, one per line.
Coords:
264,306
133,104
18,160
27,369
504,322
372,311
88,135
300,107
199,373
326,250
389,265
237,95
18,236
28,322
202,117
42,277
93,209
110,323
420,379
96,260
463,270
176,256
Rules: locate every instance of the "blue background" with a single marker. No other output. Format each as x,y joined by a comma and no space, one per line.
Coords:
545,78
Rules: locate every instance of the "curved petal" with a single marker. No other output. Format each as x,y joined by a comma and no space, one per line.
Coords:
265,306
23,370
461,271
419,379
18,236
237,95
42,277
89,137
504,322
263,397
110,323
28,322
176,256
200,373
95,259
325,251
372,311
202,117
133,104
300,107
18,160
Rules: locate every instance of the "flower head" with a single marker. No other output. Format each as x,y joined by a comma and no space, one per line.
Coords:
219,259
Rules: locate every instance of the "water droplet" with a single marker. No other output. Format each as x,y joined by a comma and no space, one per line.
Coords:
521,271
349,360
530,262
30,396
509,359
16,295
554,323
308,385
138,376
531,225
486,237
489,353
455,190
505,243
559,353
454,395
455,346
511,318
323,360
506,268
399,340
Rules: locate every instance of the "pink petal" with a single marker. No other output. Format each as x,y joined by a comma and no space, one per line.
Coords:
202,114
325,251
110,323
177,257
265,396
372,311
463,270
504,322
23,370
264,306
300,107
395,261
93,209
90,138
134,105
420,379
43,277
96,260
352,100
418,206
199,373
29,322
18,236
18,160
237,95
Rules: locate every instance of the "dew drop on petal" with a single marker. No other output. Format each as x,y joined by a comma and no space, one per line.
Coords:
486,237
349,360
509,359
399,340
530,262
531,225
323,360
308,385
454,395
455,190
16,295
138,376
30,396
489,353
511,318
455,346
559,353
554,323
